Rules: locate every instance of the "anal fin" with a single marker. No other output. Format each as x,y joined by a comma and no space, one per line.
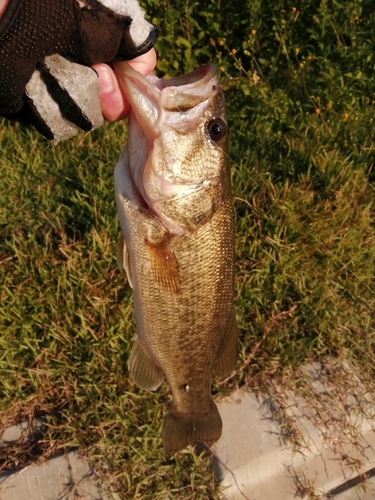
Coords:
143,370
228,355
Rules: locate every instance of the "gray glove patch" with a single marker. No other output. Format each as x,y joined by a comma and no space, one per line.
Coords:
53,93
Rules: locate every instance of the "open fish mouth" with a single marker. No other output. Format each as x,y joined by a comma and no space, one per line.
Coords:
164,112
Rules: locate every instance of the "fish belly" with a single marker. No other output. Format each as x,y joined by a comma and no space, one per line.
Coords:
183,296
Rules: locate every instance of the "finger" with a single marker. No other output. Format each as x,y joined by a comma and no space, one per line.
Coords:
3,5
113,102
144,64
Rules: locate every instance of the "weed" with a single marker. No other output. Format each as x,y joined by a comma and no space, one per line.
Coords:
300,87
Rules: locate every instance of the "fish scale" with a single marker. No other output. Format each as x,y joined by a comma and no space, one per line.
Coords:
179,252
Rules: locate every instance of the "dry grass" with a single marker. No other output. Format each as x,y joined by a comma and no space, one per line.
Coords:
302,155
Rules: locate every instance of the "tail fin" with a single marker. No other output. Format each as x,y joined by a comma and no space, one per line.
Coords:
182,429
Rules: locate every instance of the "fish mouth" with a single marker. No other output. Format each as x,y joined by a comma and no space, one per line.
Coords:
149,95
204,72
128,76
163,113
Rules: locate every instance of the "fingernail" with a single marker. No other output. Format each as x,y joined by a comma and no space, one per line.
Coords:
106,84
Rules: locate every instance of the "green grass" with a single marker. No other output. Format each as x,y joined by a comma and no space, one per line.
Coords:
300,89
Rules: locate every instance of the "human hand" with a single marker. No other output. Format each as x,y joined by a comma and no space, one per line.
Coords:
46,81
113,102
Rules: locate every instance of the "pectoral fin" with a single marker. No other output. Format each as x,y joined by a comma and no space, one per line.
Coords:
164,265
143,370
123,259
228,355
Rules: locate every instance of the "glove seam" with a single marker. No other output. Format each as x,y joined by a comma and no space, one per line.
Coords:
130,54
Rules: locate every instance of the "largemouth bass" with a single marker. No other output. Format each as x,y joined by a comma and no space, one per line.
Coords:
173,197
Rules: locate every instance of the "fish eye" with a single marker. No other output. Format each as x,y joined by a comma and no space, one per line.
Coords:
217,128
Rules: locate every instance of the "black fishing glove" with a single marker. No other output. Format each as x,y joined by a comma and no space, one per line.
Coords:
41,42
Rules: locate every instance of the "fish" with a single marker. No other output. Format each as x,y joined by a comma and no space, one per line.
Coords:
173,195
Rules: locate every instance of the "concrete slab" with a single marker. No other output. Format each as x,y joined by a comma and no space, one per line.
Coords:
321,446
63,477
66,477
250,461
22,430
